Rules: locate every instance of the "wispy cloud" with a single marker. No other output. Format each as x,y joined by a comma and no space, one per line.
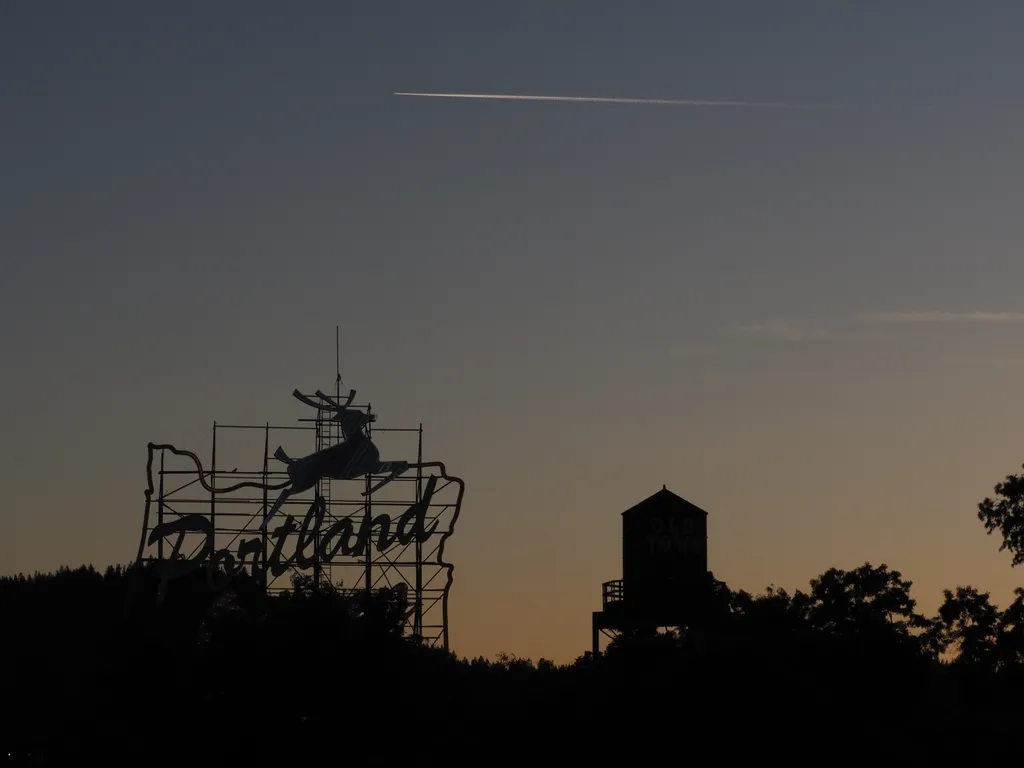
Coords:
935,318
859,325
779,330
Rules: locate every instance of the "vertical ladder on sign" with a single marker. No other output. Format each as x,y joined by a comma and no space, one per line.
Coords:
323,490
329,432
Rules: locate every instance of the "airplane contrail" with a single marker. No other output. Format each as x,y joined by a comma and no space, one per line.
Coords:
613,100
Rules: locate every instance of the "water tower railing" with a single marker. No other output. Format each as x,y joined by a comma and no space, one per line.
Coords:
612,592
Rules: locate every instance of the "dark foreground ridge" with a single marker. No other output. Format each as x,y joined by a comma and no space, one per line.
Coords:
96,670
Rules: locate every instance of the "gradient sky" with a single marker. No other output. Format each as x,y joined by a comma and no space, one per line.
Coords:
580,302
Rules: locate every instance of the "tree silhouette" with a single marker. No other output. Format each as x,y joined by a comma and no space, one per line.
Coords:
867,598
1005,513
968,622
1010,632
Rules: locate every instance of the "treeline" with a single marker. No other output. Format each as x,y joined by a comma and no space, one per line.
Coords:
97,668
96,665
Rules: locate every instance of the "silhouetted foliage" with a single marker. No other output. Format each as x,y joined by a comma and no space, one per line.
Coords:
96,668
99,666
1005,514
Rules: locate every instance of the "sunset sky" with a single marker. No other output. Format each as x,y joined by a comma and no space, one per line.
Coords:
807,319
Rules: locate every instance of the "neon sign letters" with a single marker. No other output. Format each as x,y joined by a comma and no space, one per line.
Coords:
315,543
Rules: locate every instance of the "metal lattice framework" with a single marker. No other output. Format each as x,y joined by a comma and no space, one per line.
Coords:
184,521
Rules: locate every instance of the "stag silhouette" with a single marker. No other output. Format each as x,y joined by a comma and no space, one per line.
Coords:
354,457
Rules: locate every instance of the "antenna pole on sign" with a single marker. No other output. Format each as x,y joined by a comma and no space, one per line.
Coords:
337,361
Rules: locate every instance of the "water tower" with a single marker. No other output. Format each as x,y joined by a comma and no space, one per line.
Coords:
665,576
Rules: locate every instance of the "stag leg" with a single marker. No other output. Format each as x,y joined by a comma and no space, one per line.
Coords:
395,467
274,509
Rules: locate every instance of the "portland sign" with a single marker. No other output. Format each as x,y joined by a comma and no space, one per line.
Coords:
244,526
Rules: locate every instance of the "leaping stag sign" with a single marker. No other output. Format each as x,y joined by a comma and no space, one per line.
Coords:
320,538
355,457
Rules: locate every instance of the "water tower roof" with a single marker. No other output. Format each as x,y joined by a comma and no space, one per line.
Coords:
664,502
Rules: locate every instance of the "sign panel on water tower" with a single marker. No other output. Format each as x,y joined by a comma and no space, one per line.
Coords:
664,550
